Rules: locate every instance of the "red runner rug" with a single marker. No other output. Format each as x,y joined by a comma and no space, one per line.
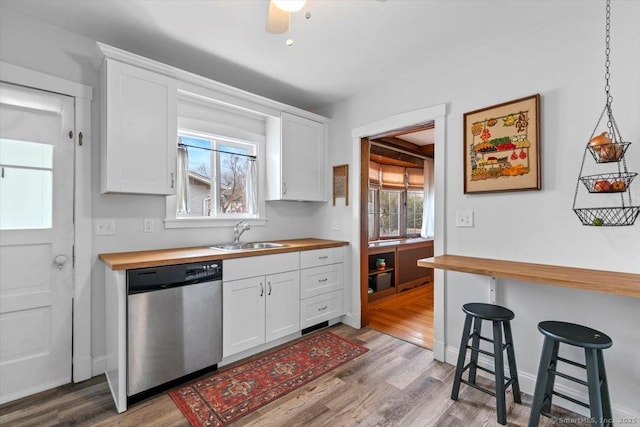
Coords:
225,396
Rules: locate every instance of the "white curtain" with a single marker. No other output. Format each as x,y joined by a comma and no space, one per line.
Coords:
252,190
428,207
182,182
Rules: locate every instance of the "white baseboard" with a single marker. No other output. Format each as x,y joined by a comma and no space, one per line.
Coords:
99,365
527,382
33,390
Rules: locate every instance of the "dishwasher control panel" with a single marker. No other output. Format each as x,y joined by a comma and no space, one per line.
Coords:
170,276
204,270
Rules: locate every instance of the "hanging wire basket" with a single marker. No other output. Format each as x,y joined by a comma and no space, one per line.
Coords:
607,149
608,216
608,153
617,182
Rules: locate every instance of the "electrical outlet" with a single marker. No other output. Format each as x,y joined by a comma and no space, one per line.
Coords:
464,219
335,225
104,227
147,225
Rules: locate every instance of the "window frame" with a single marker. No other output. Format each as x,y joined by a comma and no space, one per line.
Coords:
248,139
402,213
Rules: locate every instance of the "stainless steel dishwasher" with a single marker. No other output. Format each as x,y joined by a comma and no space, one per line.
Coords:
174,324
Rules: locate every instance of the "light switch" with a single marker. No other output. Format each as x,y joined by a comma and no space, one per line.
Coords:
464,219
147,226
104,227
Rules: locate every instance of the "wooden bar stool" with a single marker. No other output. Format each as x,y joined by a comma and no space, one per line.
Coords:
593,343
500,317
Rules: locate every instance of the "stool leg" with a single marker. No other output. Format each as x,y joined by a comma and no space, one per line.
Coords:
551,379
462,353
543,381
475,343
604,390
499,371
511,356
593,379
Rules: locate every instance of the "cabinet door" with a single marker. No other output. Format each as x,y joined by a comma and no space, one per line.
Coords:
139,141
243,314
303,159
283,304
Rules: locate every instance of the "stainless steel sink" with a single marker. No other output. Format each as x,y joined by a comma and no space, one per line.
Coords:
246,246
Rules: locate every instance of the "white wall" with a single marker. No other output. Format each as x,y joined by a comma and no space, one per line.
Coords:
53,51
565,64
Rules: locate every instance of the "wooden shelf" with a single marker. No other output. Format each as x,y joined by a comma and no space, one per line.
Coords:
381,294
610,282
374,272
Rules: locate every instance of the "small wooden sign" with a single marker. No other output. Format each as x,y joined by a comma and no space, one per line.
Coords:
341,183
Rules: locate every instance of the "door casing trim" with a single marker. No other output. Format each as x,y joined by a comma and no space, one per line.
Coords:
83,95
437,114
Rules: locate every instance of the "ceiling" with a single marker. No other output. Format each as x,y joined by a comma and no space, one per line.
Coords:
345,48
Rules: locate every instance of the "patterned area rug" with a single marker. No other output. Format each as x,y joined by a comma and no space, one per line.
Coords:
225,396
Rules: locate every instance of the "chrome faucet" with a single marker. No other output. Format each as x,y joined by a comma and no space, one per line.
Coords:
237,231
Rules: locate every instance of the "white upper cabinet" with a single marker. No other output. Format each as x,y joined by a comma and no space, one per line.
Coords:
139,130
296,151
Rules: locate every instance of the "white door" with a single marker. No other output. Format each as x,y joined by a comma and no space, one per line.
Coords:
36,240
283,305
242,314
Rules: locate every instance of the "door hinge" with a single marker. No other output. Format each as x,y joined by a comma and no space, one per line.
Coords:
73,256
80,137
70,134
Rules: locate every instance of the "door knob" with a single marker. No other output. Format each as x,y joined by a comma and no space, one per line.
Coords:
60,260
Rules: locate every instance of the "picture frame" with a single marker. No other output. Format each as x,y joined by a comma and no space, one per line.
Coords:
341,183
502,147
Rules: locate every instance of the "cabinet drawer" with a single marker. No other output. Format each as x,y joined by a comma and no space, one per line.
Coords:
320,280
318,257
252,266
320,308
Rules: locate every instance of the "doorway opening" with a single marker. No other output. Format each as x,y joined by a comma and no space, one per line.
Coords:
397,228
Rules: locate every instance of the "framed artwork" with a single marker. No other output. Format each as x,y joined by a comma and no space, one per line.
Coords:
502,147
341,183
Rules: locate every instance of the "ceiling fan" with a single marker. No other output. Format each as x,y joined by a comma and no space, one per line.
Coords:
279,15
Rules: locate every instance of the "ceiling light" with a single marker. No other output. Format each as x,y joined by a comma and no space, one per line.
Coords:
289,5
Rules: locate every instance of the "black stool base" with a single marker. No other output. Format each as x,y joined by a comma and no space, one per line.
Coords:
500,318
593,343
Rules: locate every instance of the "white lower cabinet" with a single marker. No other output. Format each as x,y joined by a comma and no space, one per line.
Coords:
268,297
259,309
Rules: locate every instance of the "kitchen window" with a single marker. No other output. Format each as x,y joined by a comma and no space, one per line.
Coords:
217,177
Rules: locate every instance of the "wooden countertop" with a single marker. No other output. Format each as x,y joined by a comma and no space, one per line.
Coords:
611,282
155,258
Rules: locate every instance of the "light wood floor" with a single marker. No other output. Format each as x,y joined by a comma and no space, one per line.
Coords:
394,384
407,315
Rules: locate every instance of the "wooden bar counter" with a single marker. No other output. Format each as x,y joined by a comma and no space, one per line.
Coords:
611,282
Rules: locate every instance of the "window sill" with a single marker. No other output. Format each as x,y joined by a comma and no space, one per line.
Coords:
211,222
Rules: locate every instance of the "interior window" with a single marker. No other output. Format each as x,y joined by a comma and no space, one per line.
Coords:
390,202
396,201
414,212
